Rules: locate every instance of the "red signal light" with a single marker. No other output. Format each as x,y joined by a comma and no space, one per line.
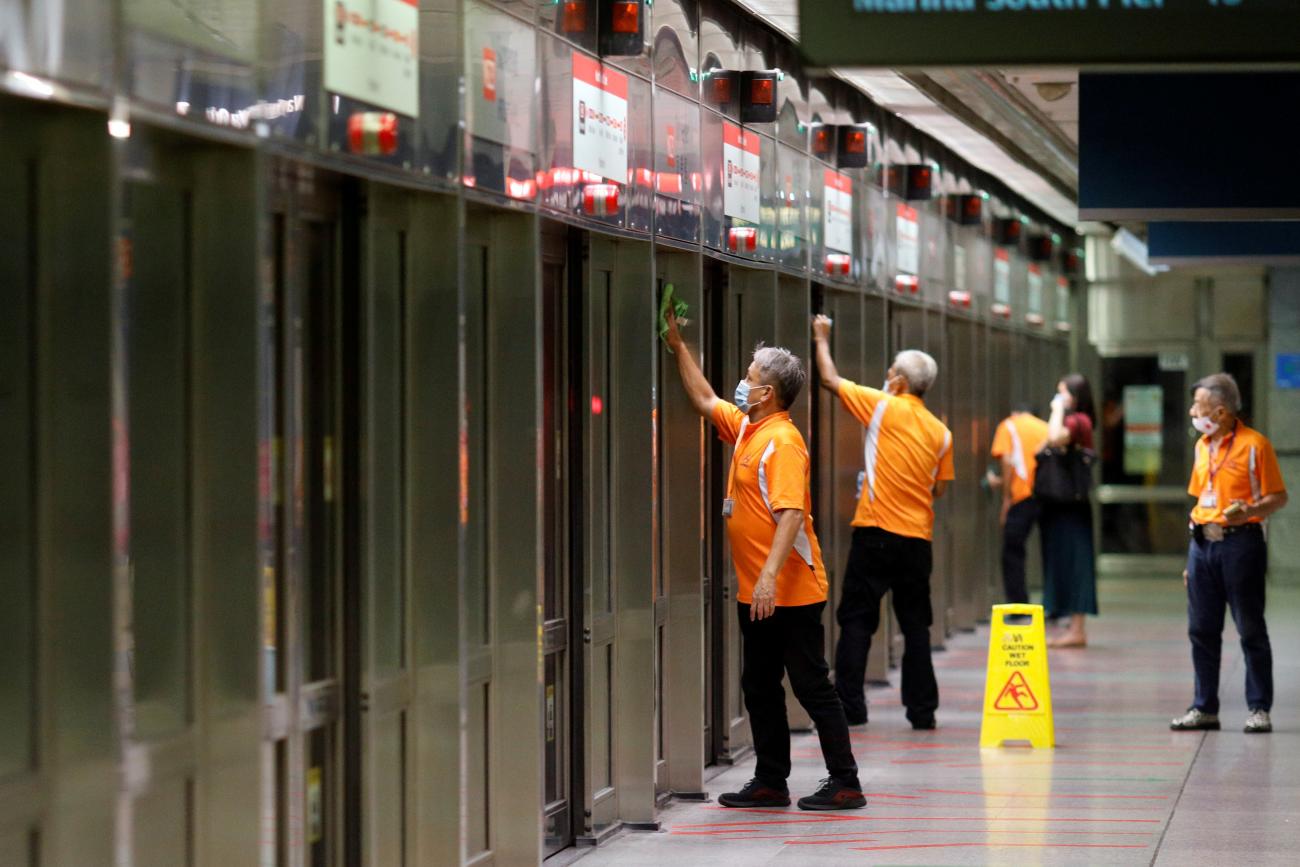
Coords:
575,16
821,140
372,132
855,142
761,91
721,88
625,16
742,238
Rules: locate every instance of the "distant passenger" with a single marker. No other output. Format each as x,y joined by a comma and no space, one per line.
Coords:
1015,445
1070,582
908,462
1238,484
778,563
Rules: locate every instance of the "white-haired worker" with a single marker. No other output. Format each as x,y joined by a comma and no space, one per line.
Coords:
908,462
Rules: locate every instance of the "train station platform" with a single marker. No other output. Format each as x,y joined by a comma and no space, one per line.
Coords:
1120,788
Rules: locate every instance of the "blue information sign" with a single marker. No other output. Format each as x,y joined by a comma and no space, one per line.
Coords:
1288,370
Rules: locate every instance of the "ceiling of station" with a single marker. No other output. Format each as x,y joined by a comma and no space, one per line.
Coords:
1020,125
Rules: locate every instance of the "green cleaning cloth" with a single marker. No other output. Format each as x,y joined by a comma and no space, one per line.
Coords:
677,305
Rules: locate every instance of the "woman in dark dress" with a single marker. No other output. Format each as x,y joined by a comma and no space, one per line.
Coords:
1070,585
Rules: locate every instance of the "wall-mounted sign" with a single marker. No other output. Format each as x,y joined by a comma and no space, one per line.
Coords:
1035,300
372,52
742,153
599,118
837,211
1287,374
909,239
1143,429
959,268
894,33
1002,277
1174,360
1062,299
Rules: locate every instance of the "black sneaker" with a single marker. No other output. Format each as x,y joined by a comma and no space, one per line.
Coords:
834,795
855,720
756,794
924,724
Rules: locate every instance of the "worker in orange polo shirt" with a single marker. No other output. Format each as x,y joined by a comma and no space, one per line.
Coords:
908,462
782,583
1015,445
1237,485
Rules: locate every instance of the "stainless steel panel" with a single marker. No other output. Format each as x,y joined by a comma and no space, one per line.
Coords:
511,402
682,504
633,510
433,431
74,496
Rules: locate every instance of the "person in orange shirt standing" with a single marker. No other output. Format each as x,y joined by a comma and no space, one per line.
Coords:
1237,485
782,582
908,462
1016,444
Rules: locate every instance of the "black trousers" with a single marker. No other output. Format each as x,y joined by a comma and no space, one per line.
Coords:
878,563
1229,574
791,642
1020,522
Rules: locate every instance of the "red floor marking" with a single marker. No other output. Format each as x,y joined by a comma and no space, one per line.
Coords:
1053,764
1005,845
733,827
1042,795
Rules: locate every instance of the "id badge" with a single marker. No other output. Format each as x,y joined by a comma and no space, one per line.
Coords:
728,505
1209,499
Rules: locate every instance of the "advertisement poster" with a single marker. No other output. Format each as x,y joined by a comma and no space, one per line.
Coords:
741,158
372,52
959,268
1143,429
1035,289
909,240
599,118
1062,299
1002,277
837,211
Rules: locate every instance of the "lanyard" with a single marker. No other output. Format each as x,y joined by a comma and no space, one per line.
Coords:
735,455
1226,446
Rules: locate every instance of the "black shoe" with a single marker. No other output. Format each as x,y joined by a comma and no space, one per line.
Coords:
834,795
756,794
855,720
924,724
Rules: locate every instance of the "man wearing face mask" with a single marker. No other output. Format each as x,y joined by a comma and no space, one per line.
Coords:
1237,485
908,462
782,583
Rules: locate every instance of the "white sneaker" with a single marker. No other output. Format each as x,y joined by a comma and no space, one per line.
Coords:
1195,720
1258,723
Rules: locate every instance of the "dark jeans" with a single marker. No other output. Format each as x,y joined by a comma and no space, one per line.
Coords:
791,642
1229,573
880,562
1020,522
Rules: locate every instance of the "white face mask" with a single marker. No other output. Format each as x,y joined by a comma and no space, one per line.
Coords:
1205,425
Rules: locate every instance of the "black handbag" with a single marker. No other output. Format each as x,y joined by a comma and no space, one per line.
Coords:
1064,474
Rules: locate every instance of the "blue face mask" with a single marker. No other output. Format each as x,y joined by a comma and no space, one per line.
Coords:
742,395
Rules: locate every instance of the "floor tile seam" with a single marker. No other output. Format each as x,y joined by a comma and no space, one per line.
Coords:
1174,810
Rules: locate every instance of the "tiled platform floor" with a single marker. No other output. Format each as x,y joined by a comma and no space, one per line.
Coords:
1119,789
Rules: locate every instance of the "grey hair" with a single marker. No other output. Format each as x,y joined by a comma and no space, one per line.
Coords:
1223,390
918,368
781,369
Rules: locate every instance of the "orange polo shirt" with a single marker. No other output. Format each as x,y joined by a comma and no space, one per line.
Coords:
1019,439
770,471
1247,470
907,450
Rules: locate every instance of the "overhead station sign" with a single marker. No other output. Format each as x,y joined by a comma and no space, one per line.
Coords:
903,33
372,52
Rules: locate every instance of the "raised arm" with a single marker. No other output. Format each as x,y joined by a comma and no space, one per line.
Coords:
701,394
830,377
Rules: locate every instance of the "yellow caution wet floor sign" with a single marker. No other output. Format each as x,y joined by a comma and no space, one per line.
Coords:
1017,693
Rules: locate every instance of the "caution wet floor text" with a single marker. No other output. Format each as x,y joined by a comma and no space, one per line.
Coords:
1017,692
